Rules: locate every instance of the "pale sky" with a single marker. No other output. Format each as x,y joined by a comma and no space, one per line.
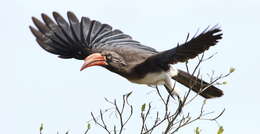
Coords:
37,87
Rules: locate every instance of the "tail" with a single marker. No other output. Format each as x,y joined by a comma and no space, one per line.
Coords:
197,85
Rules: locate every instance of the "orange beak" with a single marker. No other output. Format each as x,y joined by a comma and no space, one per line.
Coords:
95,59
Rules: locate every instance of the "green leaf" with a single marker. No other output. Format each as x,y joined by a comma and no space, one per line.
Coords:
225,83
89,126
143,107
41,127
232,69
220,130
197,130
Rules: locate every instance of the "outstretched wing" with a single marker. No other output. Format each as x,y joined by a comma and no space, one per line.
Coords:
190,49
78,39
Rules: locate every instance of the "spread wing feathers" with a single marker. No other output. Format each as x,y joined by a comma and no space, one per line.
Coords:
78,39
190,49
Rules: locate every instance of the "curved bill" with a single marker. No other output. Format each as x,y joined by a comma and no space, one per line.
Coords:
95,59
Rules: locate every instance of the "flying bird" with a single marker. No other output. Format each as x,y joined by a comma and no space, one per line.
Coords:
100,45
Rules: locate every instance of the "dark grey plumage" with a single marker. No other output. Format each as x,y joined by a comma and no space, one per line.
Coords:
188,50
78,39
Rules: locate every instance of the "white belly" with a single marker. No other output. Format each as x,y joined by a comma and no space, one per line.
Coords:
157,78
152,79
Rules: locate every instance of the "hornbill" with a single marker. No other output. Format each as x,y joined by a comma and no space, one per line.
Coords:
100,45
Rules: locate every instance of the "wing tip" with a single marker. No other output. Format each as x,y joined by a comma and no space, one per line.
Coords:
55,13
58,18
35,32
36,21
34,18
216,30
43,15
32,29
70,13
72,17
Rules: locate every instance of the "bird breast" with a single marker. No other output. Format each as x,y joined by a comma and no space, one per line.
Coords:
156,78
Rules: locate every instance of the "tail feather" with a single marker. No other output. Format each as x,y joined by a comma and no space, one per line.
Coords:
197,85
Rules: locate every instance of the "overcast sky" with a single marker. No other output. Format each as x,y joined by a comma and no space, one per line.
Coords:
37,87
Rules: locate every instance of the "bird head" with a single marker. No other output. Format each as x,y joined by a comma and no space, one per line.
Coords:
105,58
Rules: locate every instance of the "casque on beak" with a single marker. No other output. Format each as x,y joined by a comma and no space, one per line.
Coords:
95,59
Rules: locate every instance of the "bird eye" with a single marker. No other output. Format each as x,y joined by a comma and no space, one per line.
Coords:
109,57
